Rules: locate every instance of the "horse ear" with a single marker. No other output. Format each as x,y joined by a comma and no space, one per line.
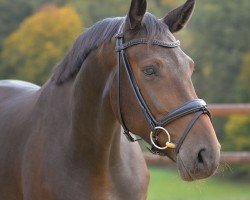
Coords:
179,17
136,13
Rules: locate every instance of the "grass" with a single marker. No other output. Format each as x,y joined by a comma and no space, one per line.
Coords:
165,184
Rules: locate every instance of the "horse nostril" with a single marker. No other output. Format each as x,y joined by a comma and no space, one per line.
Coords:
201,156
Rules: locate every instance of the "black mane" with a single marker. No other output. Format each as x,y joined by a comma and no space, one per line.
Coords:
93,37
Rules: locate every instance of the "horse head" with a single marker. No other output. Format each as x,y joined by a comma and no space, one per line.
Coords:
155,89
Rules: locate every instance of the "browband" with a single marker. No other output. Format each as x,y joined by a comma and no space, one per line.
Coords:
146,41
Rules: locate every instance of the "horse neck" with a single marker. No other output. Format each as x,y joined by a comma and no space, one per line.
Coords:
95,131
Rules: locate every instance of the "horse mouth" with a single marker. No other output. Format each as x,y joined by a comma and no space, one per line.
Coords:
193,173
183,171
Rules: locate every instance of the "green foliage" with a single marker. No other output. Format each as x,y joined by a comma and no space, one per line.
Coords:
237,131
220,31
237,128
41,41
243,80
93,11
12,12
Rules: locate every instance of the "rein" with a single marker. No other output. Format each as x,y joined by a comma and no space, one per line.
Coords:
197,106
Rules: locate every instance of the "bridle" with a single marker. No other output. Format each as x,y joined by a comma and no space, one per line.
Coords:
197,106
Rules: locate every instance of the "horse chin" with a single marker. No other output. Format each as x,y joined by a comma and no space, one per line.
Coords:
186,173
183,172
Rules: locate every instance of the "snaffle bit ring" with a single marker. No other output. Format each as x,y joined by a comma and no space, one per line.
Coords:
169,144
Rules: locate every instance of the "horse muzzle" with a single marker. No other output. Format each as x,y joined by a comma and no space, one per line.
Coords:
201,165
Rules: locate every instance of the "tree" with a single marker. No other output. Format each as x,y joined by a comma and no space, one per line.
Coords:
237,128
220,31
237,131
243,79
93,11
12,12
41,41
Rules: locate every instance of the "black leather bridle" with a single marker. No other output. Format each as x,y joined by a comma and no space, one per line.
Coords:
197,106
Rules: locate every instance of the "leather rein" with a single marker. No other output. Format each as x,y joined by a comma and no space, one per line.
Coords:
197,106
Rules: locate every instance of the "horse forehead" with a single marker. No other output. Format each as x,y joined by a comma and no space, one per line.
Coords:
148,52
171,56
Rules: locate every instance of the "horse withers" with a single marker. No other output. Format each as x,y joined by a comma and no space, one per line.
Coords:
63,141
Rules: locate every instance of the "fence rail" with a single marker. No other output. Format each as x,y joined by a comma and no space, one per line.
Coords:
231,158
229,109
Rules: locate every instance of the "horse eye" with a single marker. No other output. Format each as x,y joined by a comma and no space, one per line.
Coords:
149,71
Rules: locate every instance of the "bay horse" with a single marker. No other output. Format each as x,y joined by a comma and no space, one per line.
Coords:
63,141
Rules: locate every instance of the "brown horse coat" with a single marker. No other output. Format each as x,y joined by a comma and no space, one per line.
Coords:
63,141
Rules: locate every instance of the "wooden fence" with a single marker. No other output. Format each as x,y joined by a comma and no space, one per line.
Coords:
231,158
229,109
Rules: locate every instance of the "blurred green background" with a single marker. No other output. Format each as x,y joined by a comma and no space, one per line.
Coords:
36,34
166,184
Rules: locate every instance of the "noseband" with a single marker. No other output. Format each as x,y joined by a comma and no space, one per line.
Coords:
197,106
